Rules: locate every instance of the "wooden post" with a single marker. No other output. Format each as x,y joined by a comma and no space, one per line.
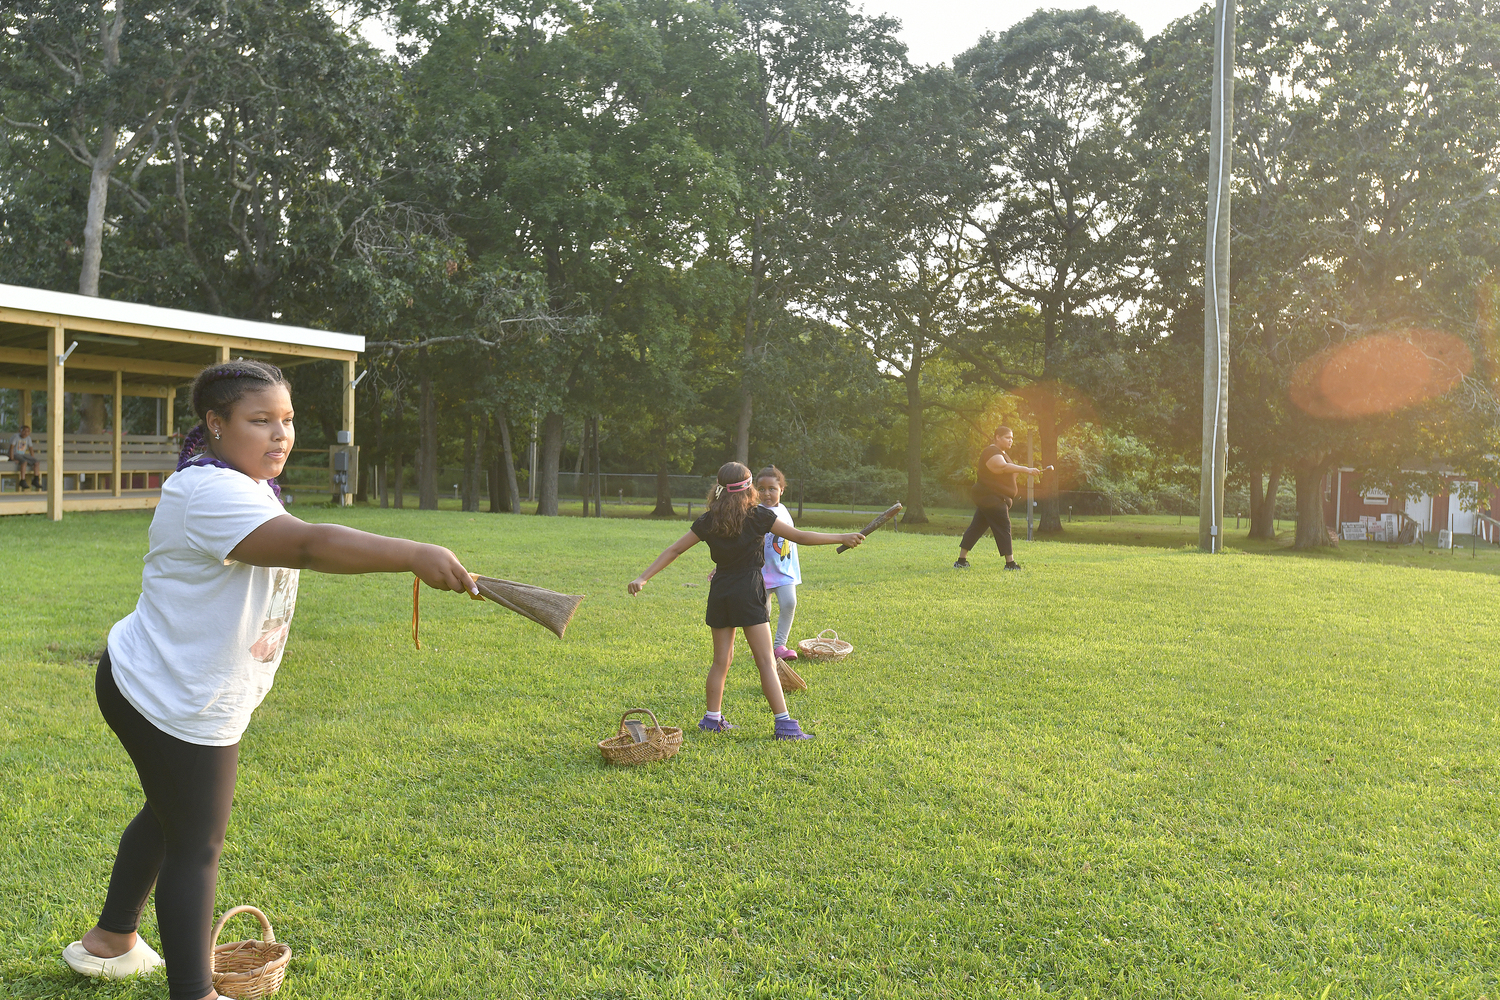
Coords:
1215,457
348,498
223,354
170,428
55,422
118,421
25,413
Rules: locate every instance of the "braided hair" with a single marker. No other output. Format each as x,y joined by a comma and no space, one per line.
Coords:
218,388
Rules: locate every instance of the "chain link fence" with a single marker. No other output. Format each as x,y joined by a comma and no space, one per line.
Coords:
309,475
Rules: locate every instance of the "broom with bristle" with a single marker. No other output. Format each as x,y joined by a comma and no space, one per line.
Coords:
790,679
547,608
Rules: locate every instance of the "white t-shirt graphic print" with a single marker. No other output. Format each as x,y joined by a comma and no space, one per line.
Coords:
200,651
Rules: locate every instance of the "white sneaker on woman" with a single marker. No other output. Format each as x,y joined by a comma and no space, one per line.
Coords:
140,960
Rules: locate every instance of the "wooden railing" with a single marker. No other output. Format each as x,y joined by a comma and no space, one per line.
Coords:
1487,528
88,461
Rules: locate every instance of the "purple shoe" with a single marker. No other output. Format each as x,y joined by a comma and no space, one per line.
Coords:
782,653
715,725
787,729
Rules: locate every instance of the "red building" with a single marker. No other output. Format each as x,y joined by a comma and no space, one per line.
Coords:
1346,500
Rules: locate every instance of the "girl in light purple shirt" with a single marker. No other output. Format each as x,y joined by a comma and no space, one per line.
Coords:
782,571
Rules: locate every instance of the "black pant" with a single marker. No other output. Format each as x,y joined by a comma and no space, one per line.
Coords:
174,841
997,519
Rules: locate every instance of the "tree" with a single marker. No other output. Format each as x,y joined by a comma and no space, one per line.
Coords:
1366,204
809,59
894,254
1070,232
99,83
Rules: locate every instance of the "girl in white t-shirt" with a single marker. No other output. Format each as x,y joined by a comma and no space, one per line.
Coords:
782,571
183,672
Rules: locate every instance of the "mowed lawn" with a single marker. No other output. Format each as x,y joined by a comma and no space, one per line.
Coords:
1126,771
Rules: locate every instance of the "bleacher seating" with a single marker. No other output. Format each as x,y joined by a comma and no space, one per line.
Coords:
88,462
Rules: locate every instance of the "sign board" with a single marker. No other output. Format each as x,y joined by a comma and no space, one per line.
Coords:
1354,532
1445,539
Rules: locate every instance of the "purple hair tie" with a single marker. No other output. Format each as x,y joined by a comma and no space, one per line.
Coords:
187,458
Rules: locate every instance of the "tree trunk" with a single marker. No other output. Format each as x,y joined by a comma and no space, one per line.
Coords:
93,221
915,513
512,490
546,486
471,466
742,429
91,419
91,405
585,477
663,483
427,466
1263,503
398,435
495,475
1312,532
742,425
598,473
1048,504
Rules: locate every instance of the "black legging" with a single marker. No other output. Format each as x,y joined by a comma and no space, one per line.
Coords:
996,519
174,841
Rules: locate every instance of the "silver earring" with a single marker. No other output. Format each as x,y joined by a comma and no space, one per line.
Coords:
216,435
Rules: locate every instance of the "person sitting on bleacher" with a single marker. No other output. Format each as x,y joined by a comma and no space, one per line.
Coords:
23,455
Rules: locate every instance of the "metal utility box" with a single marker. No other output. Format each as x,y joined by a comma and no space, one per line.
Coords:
343,472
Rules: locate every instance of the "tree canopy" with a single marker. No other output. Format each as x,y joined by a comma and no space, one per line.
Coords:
672,232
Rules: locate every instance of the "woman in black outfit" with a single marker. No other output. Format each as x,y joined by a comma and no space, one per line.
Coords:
993,494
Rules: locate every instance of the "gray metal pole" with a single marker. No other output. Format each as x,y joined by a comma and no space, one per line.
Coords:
1216,289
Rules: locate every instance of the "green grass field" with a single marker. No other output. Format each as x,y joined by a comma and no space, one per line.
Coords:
1129,771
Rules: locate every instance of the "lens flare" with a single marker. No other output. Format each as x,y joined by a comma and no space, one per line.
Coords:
1381,373
1065,404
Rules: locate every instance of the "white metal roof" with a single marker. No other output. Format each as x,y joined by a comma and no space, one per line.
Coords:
113,310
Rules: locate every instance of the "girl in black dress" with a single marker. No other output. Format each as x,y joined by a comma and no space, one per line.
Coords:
735,526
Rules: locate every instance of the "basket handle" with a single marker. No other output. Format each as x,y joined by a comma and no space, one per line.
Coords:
638,711
267,935
825,632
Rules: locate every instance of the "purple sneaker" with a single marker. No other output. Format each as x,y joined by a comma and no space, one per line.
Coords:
782,653
787,729
715,725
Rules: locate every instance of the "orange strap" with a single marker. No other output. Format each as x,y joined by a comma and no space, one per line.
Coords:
416,588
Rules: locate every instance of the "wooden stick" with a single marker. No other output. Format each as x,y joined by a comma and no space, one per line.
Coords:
875,524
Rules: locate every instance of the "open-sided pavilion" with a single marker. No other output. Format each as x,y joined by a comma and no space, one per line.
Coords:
57,342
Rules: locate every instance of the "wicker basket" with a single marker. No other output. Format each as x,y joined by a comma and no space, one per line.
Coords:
661,742
826,646
245,970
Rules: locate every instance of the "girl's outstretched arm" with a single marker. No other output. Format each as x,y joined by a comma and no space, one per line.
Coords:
784,530
664,560
333,548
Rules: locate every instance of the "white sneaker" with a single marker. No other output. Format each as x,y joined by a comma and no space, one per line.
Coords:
140,960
